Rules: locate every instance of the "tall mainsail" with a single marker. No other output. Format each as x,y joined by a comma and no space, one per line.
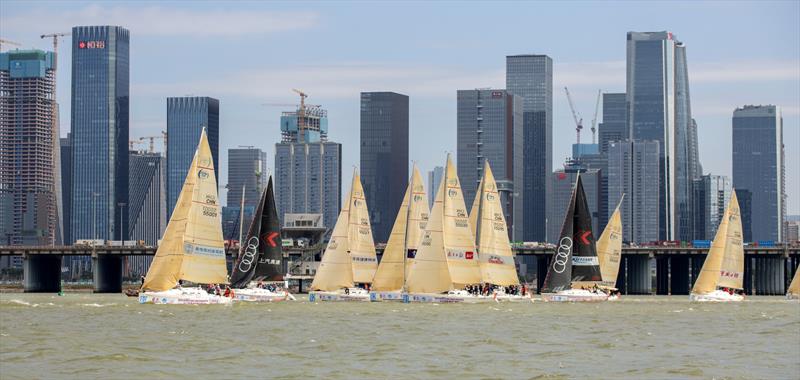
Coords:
260,255
192,248
609,249
491,233
405,237
794,286
724,265
574,262
336,270
446,258
361,245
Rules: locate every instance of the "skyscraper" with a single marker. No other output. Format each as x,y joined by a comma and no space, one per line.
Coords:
308,175
186,117
615,120
758,166
434,179
659,110
561,186
148,202
745,197
29,163
531,77
384,157
66,187
100,97
489,128
247,167
711,196
630,168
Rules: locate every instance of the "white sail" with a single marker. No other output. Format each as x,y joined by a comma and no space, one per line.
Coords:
726,252
361,244
192,248
335,271
488,223
405,237
609,249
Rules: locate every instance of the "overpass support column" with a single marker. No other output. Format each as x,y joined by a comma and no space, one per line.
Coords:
679,275
639,279
42,273
662,274
107,273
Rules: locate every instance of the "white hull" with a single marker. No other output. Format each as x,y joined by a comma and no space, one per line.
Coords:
396,296
355,295
187,296
502,297
613,297
457,296
575,295
716,296
261,295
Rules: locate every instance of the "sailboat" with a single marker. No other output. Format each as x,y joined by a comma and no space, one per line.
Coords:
191,248
724,265
574,271
350,257
260,257
489,227
794,287
390,278
609,253
446,262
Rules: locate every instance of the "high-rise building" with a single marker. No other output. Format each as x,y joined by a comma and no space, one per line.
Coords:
531,77
599,162
490,129
561,185
434,179
711,196
758,166
630,167
247,168
695,167
66,187
615,120
186,118
745,198
792,228
659,110
100,132
148,202
384,157
235,221
308,174
29,146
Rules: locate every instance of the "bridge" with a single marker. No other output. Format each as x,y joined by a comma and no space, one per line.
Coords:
643,270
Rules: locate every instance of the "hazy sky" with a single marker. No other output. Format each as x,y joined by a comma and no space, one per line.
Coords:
249,53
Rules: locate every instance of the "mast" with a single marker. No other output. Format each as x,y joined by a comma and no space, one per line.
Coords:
408,221
241,216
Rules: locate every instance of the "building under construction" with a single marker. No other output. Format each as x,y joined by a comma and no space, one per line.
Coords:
29,159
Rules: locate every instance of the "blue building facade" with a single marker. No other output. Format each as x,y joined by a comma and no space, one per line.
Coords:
100,132
186,117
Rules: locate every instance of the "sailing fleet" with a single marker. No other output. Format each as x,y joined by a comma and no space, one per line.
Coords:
441,255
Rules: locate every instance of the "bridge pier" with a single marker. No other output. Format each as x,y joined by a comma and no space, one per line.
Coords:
680,276
107,272
663,275
637,274
769,276
42,273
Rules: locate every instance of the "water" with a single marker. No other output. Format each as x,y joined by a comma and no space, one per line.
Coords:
111,336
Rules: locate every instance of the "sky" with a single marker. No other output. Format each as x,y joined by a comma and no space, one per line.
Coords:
249,53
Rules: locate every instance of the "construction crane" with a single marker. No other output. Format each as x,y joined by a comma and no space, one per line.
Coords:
594,119
55,39
301,117
132,143
575,115
152,141
7,42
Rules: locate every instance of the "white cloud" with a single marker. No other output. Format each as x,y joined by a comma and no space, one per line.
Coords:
744,71
160,21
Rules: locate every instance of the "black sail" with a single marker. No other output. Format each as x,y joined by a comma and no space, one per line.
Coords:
559,273
260,253
585,265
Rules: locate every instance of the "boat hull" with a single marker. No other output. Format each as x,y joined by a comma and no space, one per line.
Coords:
386,296
445,298
716,296
502,297
182,297
353,296
260,295
575,295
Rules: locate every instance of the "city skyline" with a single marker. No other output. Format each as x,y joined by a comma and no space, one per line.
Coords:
722,77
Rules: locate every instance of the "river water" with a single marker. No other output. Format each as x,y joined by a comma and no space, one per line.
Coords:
111,336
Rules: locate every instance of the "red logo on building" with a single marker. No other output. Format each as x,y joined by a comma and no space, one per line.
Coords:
82,45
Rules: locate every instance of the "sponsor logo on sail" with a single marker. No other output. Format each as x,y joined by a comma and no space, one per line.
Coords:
202,174
494,259
249,254
490,197
562,255
585,261
452,193
412,253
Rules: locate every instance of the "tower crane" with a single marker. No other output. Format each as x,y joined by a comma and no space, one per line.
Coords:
55,39
301,117
575,115
594,119
7,42
152,139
